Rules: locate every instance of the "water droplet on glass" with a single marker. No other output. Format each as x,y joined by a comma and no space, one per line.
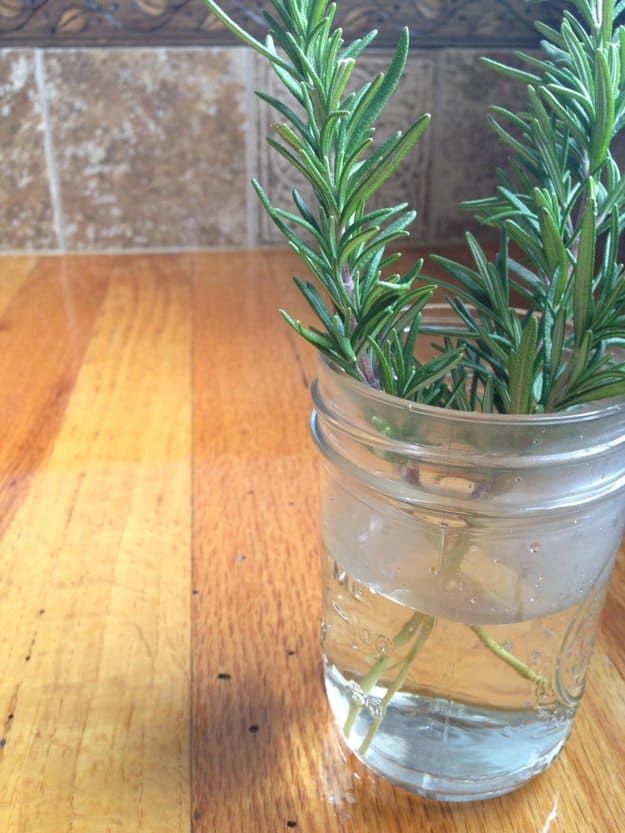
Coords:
473,600
357,591
324,630
535,547
517,479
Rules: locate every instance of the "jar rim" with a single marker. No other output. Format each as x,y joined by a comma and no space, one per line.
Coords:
590,413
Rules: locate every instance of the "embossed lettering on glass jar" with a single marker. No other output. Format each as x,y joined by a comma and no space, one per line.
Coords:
466,559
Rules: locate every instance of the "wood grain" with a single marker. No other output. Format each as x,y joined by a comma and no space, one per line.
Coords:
159,592
94,586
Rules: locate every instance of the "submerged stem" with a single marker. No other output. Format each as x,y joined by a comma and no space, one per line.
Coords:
377,670
427,623
422,625
514,662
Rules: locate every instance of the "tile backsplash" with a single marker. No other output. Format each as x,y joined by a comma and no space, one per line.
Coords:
151,148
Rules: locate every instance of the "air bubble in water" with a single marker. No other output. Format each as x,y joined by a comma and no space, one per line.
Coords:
535,547
383,645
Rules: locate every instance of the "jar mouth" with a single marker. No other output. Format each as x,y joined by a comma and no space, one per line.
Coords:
482,464
582,414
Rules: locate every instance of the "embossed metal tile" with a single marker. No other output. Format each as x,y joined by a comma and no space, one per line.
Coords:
432,22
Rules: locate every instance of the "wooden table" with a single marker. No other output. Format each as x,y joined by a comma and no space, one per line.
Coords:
159,577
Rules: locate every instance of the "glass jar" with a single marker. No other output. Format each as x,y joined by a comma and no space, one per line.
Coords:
466,559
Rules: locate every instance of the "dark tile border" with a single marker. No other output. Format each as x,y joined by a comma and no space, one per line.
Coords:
433,23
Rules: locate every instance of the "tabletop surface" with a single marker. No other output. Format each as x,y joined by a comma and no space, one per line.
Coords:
159,590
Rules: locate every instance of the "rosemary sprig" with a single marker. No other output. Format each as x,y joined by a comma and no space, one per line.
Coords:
560,203
367,319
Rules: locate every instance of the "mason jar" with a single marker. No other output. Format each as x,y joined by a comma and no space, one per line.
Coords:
465,563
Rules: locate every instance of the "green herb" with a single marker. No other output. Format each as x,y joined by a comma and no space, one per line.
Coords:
561,205
559,209
367,320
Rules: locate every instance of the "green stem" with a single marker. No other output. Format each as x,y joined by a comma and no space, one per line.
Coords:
382,665
366,685
240,33
514,662
427,623
422,624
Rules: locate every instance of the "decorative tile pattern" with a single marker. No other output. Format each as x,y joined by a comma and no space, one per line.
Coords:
150,146
26,220
410,184
467,150
432,22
